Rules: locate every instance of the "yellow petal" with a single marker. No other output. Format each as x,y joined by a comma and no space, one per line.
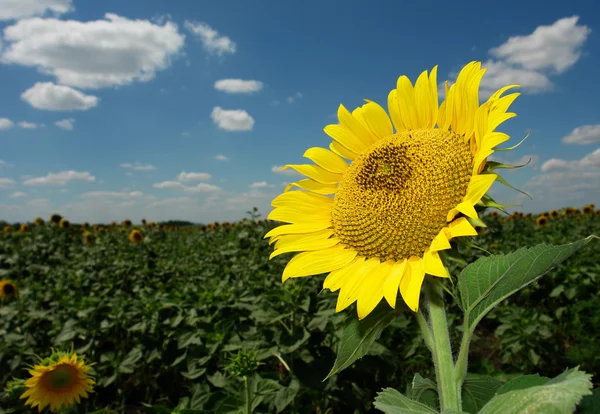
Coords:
440,242
406,103
305,245
432,263
289,215
433,96
467,209
336,279
316,173
314,186
496,95
351,123
302,197
395,111
478,186
326,159
299,228
497,119
342,151
377,120
392,283
355,283
321,261
346,138
286,239
423,101
460,227
371,291
410,285
493,139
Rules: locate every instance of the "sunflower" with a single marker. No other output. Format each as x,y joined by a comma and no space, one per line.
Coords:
88,237
24,228
38,221
64,223
135,236
8,229
8,290
55,218
554,214
402,197
588,210
58,382
86,224
126,223
542,221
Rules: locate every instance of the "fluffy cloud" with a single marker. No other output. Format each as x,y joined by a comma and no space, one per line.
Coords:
18,194
27,125
232,120
277,169
51,97
193,176
211,40
261,184
19,9
202,188
252,198
587,134
101,53
500,74
168,184
112,194
589,162
557,46
221,158
238,85
66,124
6,123
6,182
137,166
61,178
293,98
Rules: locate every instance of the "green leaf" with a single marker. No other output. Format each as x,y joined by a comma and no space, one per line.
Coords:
489,280
425,391
477,391
558,396
390,401
523,382
286,395
359,335
590,404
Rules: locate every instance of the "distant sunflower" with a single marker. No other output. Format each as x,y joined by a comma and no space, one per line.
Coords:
588,210
126,223
24,228
88,237
64,223
86,224
58,382
542,221
135,236
8,290
144,221
554,214
403,196
8,229
38,221
55,218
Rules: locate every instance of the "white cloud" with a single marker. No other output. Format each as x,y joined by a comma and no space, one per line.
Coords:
6,182
66,124
261,184
211,40
6,123
112,194
557,46
293,98
19,9
587,134
500,74
27,125
238,85
221,157
95,54
60,178
202,188
252,198
590,161
277,169
18,194
51,97
232,120
168,184
193,176
173,202
137,166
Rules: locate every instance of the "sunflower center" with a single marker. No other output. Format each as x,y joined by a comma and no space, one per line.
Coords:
61,378
394,198
8,289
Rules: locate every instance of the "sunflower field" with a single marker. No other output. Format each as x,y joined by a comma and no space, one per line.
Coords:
195,319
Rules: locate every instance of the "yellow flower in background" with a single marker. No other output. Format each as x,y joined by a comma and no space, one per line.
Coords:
55,218
24,228
541,221
135,236
64,223
401,198
126,223
58,382
8,290
88,237
554,214
8,229
38,221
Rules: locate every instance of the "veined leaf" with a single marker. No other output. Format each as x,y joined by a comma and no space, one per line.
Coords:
477,391
391,401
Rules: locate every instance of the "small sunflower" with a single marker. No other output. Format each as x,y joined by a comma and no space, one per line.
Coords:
58,382
402,198
144,221
135,236
24,228
38,221
88,237
126,223
64,223
8,229
542,221
554,214
588,210
55,218
8,290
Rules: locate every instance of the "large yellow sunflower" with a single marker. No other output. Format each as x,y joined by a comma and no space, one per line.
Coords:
402,197
58,382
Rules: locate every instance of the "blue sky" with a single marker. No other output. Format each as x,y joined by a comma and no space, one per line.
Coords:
184,109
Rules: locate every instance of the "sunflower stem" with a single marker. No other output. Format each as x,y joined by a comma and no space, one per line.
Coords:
248,402
425,331
441,351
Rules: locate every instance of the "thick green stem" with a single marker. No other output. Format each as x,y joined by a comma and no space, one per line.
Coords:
448,392
460,369
248,402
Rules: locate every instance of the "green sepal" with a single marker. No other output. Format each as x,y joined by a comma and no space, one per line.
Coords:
476,222
488,202
503,181
463,241
491,166
514,146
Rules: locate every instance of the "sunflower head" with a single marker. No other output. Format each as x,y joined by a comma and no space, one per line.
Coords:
88,237
57,382
55,218
8,229
151,225
64,223
588,210
542,221
377,222
85,224
126,223
554,214
144,221
8,290
38,221
135,236
24,228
